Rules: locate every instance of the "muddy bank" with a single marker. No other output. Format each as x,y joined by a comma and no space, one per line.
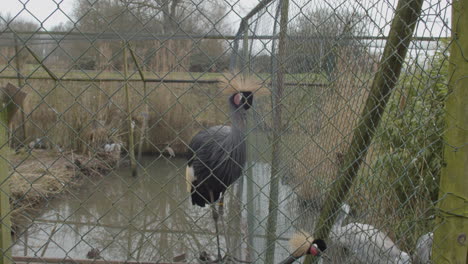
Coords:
40,175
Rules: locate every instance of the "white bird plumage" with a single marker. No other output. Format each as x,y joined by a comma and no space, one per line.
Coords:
366,242
170,151
423,250
113,147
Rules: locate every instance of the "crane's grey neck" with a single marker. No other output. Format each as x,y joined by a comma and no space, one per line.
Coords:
340,219
238,119
342,215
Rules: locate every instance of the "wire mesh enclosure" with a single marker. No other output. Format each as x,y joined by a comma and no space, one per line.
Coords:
190,131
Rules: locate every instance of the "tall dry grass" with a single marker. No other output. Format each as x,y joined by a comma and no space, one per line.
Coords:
323,132
395,186
83,116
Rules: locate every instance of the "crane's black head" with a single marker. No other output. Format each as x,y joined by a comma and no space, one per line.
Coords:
242,99
318,244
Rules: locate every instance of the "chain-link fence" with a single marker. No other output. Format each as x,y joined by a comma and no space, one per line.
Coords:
111,135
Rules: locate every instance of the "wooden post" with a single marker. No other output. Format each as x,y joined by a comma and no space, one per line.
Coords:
131,145
401,32
20,85
5,227
450,237
10,97
144,126
277,132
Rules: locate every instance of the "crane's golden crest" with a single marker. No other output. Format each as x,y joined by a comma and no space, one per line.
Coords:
300,243
230,84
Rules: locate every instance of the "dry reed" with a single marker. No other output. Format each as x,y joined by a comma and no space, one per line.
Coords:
325,131
84,116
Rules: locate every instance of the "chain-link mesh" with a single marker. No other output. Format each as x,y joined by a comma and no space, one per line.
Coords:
104,98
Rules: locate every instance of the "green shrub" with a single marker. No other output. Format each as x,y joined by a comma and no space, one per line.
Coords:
408,148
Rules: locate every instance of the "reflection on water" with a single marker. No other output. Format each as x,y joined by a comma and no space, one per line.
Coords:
150,218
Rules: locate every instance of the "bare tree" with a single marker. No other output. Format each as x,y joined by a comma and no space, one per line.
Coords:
181,16
319,34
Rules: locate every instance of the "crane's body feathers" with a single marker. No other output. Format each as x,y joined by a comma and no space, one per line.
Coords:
216,161
366,242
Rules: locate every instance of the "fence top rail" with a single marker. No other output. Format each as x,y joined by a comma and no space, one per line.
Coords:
49,35
149,80
21,259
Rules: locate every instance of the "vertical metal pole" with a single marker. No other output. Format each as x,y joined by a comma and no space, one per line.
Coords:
131,145
277,133
273,58
250,193
25,242
250,162
245,50
235,50
239,187
450,238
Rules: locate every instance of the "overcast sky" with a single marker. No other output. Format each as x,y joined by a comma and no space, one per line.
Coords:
53,12
48,12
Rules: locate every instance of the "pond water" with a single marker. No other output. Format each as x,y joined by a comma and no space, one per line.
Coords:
150,218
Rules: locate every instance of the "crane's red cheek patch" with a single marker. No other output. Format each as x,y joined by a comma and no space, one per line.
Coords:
314,251
237,99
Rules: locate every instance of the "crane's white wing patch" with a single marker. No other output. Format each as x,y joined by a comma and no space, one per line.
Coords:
189,177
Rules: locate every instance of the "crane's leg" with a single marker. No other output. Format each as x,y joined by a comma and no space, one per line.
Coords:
223,223
221,205
215,218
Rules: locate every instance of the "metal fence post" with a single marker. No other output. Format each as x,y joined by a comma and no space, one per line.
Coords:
450,238
276,140
249,172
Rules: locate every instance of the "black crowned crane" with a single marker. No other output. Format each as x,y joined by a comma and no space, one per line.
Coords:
218,154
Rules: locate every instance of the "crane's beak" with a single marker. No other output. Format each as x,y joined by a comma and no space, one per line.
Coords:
248,97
